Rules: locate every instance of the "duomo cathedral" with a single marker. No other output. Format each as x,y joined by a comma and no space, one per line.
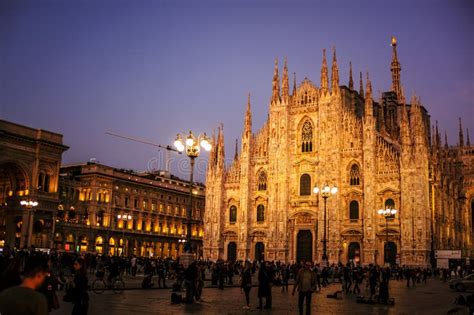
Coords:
380,151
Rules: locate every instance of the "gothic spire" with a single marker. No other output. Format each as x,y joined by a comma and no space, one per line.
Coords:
461,135
334,72
276,83
212,154
248,119
351,81
236,155
285,85
294,83
220,147
438,138
395,69
361,85
446,145
368,86
324,74
369,109
468,141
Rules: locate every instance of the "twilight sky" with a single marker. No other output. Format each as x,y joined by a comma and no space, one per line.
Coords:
151,69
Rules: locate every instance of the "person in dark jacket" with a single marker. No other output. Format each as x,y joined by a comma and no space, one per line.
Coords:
48,288
264,286
80,297
246,283
11,275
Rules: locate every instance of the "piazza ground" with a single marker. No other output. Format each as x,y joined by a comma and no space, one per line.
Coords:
431,298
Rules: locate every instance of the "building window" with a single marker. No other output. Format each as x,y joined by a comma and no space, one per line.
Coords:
100,218
135,203
305,185
144,204
307,137
262,181
260,213
354,176
390,204
47,179
127,202
354,210
233,214
40,181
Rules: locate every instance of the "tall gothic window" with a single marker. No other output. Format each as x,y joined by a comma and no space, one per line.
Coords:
260,213
233,214
354,210
354,176
262,181
307,137
305,185
390,204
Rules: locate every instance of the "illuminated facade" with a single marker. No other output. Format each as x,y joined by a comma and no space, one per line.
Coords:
29,171
120,212
379,153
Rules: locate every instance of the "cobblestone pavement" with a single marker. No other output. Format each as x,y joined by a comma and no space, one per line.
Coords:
431,298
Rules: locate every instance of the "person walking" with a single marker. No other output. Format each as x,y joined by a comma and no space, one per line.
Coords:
285,278
80,297
246,283
305,284
356,280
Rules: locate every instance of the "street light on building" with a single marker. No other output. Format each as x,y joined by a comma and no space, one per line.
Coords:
124,218
191,145
325,191
387,213
29,204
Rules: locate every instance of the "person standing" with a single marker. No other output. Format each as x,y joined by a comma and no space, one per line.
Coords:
305,284
133,265
161,274
24,299
285,278
246,283
80,297
264,288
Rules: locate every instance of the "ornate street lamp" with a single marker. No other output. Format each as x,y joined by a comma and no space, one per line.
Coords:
387,213
192,146
124,217
325,191
29,204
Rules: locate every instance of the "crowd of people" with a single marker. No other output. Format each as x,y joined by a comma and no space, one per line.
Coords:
29,279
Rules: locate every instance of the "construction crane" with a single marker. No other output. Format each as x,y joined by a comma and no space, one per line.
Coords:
167,148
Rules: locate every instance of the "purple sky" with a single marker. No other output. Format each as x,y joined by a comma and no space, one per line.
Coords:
154,68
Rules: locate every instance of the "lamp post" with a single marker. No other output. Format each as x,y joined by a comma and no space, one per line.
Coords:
387,213
125,218
325,191
29,205
192,146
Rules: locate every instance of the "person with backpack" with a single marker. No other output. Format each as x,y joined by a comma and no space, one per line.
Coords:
306,285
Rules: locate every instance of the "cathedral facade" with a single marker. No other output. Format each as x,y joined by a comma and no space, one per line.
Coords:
380,153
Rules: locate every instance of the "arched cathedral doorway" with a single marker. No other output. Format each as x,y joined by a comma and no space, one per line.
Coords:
304,246
231,251
390,253
354,252
259,251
